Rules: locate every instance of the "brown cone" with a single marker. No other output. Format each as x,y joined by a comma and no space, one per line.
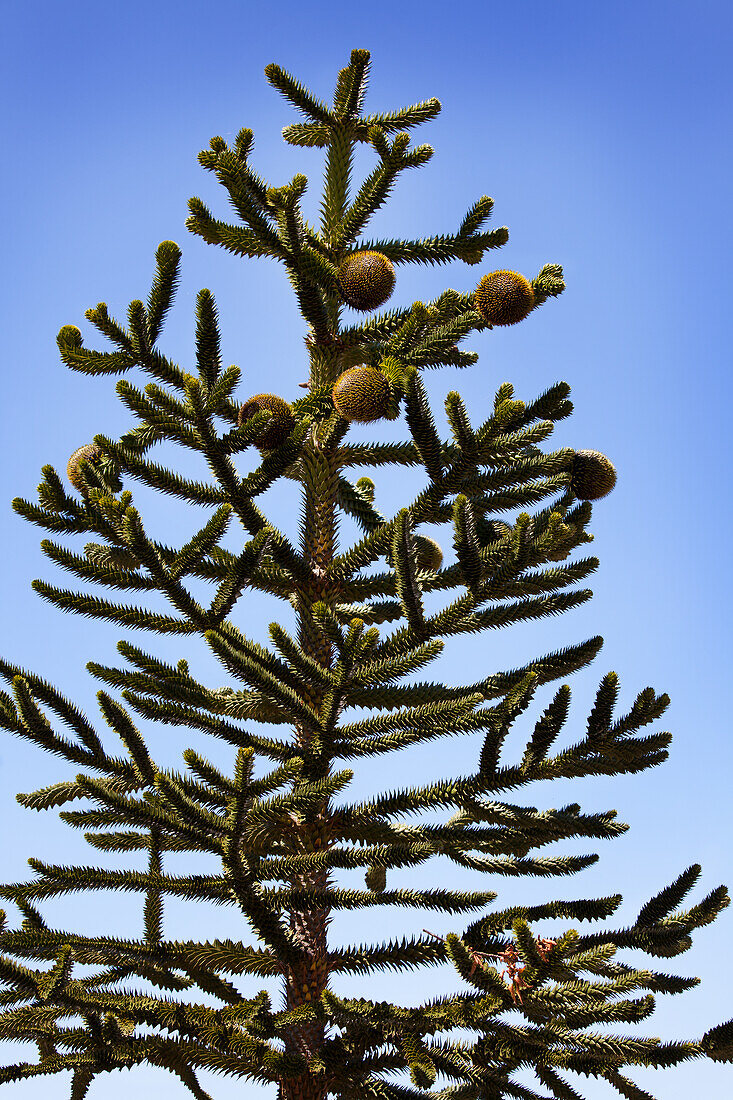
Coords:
361,394
592,475
90,452
504,297
278,427
376,879
366,280
429,554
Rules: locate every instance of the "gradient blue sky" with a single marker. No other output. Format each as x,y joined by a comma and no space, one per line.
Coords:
600,132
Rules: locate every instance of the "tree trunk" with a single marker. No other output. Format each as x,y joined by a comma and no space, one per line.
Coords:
307,982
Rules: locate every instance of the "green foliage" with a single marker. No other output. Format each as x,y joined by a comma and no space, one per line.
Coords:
370,617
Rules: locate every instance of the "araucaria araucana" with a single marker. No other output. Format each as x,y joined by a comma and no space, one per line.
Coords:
280,826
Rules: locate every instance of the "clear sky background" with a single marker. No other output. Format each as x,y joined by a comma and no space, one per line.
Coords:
600,131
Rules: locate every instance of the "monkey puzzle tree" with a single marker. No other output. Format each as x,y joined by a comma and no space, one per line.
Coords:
342,686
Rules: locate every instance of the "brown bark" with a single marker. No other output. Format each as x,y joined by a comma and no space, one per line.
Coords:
306,982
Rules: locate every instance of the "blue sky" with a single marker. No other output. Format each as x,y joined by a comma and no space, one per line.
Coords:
600,132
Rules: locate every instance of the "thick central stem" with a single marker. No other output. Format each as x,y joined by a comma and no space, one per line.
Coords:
306,982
